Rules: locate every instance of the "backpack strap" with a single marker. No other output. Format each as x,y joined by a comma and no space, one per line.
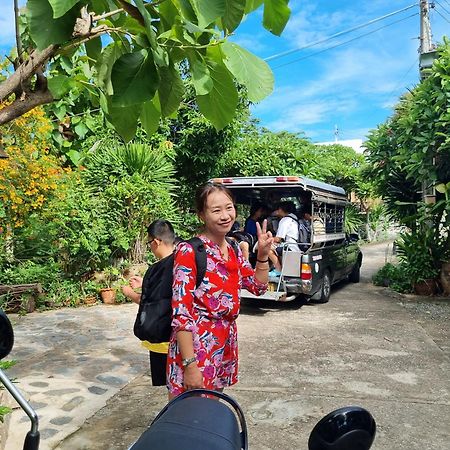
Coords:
200,258
234,245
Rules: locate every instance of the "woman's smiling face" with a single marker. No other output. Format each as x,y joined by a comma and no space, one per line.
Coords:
219,213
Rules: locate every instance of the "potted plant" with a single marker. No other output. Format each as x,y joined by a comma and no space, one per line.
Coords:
107,292
420,267
90,289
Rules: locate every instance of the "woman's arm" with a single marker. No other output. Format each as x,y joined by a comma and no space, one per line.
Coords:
193,378
265,241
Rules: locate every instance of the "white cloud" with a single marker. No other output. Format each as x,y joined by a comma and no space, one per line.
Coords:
298,116
252,43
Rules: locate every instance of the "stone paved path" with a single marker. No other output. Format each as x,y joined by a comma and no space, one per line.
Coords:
82,370
70,362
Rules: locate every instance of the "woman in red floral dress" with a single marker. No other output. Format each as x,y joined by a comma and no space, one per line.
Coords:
203,349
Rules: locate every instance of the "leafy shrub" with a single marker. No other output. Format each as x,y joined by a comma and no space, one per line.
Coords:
135,184
81,229
414,251
352,219
4,410
57,290
64,293
392,276
29,272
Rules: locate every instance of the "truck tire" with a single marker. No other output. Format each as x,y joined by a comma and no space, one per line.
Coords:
324,293
355,273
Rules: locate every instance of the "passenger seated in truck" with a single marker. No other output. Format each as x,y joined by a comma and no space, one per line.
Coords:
287,233
256,215
244,240
304,229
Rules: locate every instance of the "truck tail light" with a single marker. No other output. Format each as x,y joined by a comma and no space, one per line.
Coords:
223,180
286,179
305,272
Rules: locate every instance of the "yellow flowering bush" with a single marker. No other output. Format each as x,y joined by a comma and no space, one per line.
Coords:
30,175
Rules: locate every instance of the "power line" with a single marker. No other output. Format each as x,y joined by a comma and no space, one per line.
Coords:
445,18
345,42
448,12
445,9
341,33
397,86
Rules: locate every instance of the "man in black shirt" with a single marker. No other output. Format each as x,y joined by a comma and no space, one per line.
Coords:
161,242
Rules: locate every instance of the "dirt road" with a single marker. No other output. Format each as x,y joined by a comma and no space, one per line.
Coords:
385,352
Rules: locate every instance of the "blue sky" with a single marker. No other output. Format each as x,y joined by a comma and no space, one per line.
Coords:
352,86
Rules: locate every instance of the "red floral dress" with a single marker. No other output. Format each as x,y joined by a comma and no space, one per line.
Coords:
209,312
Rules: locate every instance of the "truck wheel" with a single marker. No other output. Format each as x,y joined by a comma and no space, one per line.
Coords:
325,290
355,273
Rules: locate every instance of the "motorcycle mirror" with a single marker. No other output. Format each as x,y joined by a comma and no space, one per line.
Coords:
6,335
348,428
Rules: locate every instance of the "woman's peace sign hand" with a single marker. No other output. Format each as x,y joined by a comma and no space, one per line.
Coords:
265,240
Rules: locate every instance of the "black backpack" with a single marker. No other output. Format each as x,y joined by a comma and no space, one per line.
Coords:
154,317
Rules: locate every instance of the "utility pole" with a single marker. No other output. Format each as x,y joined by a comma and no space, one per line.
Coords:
427,50
427,54
336,133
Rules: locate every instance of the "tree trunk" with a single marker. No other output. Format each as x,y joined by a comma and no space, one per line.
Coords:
9,244
21,106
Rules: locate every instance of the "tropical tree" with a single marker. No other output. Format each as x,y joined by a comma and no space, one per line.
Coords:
29,178
410,153
136,184
134,73
259,151
409,163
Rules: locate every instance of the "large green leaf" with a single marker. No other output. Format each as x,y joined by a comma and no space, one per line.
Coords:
201,77
93,49
148,23
134,78
234,12
150,115
44,29
207,11
59,85
168,14
60,7
105,64
124,120
171,90
251,5
276,15
219,106
186,9
249,70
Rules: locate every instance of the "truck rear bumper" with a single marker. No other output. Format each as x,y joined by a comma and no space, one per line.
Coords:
277,296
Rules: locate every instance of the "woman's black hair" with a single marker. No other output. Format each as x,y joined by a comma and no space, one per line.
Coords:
203,192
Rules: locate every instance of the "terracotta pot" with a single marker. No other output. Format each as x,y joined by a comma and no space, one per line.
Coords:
90,300
445,277
426,287
108,296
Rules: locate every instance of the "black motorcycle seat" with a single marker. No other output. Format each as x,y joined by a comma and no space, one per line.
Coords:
194,423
